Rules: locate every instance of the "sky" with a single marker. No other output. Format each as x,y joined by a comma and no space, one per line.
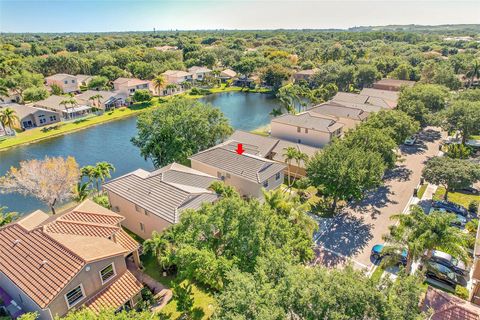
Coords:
141,15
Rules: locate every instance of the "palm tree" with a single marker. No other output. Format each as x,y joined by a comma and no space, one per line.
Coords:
8,118
289,155
161,247
96,99
81,191
474,72
300,156
69,102
103,170
418,233
158,83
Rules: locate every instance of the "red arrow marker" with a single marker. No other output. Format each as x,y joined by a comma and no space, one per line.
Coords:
240,148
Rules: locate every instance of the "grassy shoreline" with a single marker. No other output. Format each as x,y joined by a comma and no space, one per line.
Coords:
62,128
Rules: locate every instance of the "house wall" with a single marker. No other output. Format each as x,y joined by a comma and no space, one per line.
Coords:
133,217
70,86
22,299
91,282
129,90
244,187
39,115
288,132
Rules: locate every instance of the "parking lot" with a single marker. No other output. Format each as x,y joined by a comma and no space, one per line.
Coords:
350,235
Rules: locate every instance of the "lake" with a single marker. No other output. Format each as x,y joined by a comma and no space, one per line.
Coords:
111,142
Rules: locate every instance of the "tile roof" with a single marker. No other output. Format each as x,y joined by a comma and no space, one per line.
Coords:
164,191
81,229
339,110
228,73
449,307
33,220
23,111
40,266
106,95
197,69
391,97
309,120
130,81
279,150
177,73
59,76
116,294
247,166
54,102
395,82
257,144
363,100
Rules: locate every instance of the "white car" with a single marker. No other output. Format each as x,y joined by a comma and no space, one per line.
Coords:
410,141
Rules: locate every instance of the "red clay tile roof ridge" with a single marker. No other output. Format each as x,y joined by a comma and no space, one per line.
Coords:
75,210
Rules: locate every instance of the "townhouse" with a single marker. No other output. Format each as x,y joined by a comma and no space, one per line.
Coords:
67,82
53,264
128,86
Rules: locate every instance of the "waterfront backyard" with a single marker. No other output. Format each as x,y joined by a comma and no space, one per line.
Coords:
98,139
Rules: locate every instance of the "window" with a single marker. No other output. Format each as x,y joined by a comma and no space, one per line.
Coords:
306,130
73,81
277,176
66,81
299,140
265,184
142,227
299,129
53,118
107,273
75,296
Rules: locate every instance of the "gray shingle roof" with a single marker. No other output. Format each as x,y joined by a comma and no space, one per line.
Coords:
247,166
309,120
253,142
165,191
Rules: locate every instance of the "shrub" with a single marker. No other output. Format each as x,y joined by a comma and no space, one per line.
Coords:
461,292
473,206
142,95
102,200
472,226
199,92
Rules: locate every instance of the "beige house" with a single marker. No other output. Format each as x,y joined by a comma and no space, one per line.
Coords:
349,116
308,128
65,110
66,82
199,73
52,264
247,172
305,75
152,201
83,79
392,84
31,117
227,74
273,149
128,86
177,76
108,100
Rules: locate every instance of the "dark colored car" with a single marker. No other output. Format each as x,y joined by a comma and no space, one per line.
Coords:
448,261
460,222
451,207
442,273
469,190
377,253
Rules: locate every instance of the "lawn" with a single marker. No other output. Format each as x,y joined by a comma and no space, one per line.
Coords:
462,199
377,274
204,303
421,190
61,128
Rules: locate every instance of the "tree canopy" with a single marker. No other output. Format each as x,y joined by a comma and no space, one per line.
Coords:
179,129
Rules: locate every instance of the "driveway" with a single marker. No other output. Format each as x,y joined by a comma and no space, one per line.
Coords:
349,236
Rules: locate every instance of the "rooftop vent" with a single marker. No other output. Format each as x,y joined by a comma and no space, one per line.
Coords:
43,263
16,241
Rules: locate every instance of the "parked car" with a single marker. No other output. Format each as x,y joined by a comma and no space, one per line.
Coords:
410,141
460,222
442,273
377,253
448,261
451,207
469,190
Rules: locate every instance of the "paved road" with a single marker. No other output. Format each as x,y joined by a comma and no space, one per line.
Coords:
351,235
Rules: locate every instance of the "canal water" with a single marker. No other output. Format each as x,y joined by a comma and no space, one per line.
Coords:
111,142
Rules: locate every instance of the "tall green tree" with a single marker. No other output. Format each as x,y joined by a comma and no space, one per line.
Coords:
179,129
397,124
451,173
345,173
464,116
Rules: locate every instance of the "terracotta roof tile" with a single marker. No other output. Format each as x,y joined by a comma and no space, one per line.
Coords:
82,229
126,241
91,217
37,264
116,294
